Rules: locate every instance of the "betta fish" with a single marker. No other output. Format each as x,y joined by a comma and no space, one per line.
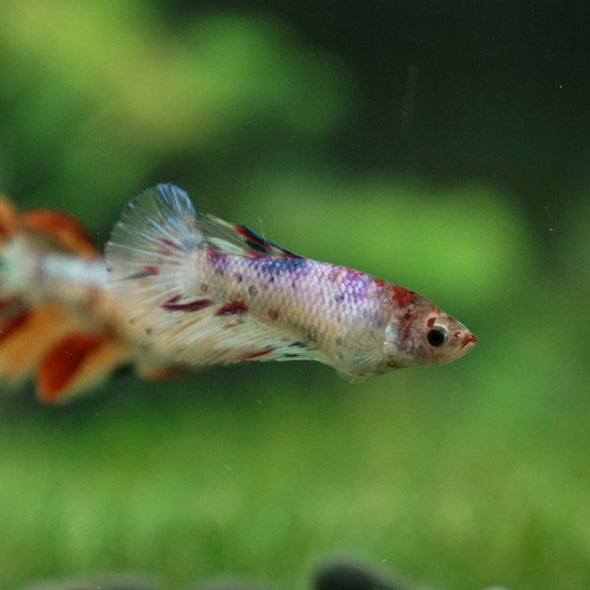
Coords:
176,290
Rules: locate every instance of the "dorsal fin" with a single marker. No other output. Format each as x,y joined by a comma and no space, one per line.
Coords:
238,240
149,250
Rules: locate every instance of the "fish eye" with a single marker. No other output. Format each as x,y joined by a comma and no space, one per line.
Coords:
437,336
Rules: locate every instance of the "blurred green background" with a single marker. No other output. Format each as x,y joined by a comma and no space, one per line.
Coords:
442,146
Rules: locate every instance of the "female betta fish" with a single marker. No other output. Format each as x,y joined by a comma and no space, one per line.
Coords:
176,290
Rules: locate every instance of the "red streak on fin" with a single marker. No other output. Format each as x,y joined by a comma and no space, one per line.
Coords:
251,236
174,298
196,305
254,355
232,308
63,361
273,314
467,339
147,271
12,325
402,295
170,244
430,322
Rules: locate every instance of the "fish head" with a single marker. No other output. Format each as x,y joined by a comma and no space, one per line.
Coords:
420,333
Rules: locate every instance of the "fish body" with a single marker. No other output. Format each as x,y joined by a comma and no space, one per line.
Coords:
176,290
207,291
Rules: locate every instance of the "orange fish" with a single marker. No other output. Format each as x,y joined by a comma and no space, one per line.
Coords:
66,338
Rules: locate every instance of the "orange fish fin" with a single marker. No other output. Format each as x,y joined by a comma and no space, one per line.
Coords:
76,363
65,230
68,340
9,219
153,373
25,339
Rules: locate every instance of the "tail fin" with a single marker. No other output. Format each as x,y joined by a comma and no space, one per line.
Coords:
46,339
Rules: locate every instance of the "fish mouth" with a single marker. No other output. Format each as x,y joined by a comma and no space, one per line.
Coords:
467,339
